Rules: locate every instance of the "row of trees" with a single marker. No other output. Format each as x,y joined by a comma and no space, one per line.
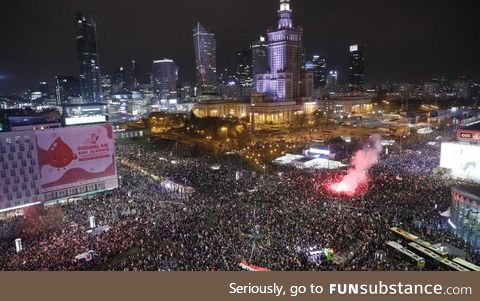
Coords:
213,128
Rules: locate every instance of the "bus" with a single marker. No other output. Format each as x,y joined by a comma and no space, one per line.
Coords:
429,246
403,234
434,259
413,238
405,254
466,264
430,256
452,266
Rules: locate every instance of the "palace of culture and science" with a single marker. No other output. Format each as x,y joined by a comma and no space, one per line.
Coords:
285,80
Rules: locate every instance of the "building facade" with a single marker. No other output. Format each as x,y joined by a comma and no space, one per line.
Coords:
106,82
44,89
19,174
258,110
318,66
119,80
465,213
285,81
259,59
132,76
356,70
90,84
67,88
165,77
275,113
222,108
332,80
346,105
31,172
243,70
205,46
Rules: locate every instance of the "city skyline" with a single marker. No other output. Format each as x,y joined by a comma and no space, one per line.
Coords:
267,135
410,44
285,80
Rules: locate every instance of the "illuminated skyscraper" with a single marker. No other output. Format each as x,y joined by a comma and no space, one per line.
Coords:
319,71
356,71
244,68
132,76
43,89
40,92
165,77
118,83
332,80
90,84
205,59
285,81
67,87
259,59
106,82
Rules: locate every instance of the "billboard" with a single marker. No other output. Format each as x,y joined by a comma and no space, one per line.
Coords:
462,159
466,135
319,151
75,156
85,120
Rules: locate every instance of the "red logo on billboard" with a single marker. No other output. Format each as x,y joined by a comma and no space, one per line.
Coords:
469,135
466,135
59,154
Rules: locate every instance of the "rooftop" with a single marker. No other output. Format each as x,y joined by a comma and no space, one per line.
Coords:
469,191
473,127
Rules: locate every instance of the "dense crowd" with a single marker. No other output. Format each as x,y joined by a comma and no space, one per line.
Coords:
267,219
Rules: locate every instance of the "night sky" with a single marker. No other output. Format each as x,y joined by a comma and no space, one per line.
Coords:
405,39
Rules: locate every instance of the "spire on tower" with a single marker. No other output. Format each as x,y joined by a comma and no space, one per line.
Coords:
285,5
285,15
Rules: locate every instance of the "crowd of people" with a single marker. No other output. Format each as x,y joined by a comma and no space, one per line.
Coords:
267,219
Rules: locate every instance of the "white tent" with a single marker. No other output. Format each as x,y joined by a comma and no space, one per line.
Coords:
101,230
288,158
446,213
425,131
87,256
318,163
